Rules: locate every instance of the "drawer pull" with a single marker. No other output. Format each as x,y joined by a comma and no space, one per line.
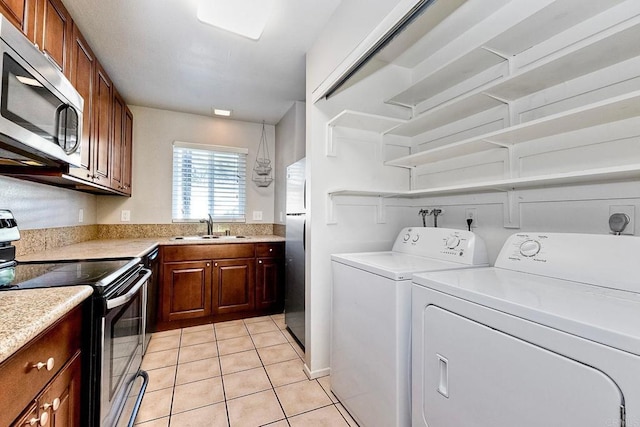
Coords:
260,262
42,421
53,405
49,364
270,249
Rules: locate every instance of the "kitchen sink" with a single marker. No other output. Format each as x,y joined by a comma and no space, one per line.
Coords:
207,237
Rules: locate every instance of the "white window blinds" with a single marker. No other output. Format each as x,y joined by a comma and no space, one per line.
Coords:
209,180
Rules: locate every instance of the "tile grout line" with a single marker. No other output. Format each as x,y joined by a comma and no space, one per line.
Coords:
224,391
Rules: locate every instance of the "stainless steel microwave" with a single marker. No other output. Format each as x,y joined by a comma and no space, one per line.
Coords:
40,110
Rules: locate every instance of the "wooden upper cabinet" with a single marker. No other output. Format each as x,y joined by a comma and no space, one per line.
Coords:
117,141
54,32
83,69
22,14
102,126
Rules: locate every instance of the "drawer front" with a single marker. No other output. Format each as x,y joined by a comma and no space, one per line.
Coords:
264,250
213,251
24,381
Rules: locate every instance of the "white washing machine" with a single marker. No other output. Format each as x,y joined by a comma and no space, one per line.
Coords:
371,317
550,336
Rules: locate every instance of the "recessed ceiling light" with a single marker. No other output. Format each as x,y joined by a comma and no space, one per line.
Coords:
219,112
245,17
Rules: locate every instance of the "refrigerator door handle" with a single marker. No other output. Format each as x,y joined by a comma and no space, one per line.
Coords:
304,195
304,234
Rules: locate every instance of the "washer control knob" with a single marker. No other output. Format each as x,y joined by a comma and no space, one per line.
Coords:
530,248
452,242
415,238
407,237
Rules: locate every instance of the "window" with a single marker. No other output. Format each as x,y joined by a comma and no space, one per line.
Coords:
208,179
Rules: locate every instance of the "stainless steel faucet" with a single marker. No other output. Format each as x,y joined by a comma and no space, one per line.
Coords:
209,221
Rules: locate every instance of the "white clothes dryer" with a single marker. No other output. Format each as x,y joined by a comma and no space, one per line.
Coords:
550,336
371,317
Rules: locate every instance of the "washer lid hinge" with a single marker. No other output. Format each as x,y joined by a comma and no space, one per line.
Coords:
623,416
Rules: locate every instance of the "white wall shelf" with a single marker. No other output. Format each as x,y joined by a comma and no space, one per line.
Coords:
611,110
618,173
592,54
365,121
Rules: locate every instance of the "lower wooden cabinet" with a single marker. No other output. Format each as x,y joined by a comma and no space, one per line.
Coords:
186,290
48,393
238,280
233,285
269,284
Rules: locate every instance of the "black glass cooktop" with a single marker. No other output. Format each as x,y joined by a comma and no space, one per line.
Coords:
96,273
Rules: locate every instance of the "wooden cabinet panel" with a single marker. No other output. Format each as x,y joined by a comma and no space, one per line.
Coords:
54,32
83,69
207,251
127,151
186,290
233,285
270,283
102,126
271,250
22,14
117,141
66,389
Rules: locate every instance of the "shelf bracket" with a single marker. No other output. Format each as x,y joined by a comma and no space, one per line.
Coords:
512,210
330,147
381,212
331,210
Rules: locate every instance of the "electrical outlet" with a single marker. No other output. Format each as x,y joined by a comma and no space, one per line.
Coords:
281,217
471,213
125,215
257,215
80,215
630,210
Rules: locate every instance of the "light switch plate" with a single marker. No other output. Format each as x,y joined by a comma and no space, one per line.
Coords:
125,215
257,215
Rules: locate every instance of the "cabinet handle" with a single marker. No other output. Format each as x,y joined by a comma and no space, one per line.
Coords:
49,364
54,405
270,249
43,420
260,262
208,264
215,265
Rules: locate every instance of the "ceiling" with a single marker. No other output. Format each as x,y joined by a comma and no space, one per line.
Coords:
159,55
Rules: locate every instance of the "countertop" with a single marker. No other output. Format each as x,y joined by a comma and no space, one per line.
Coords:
26,313
129,248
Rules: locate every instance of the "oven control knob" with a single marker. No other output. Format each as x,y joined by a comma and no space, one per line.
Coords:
49,364
452,242
407,237
530,248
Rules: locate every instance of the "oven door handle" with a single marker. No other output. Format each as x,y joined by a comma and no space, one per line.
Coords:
123,299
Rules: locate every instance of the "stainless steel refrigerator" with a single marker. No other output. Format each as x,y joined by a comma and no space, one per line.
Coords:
294,250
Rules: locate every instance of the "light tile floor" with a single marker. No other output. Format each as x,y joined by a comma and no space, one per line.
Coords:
243,373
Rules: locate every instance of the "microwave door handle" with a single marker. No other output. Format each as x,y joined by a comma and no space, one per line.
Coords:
123,299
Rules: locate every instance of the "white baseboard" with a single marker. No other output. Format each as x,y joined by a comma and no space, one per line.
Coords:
312,375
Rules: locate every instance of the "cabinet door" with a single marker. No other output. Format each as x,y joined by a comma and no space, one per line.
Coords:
54,32
269,284
117,141
62,399
233,285
21,13
29,417
83,69
102,126
127,151
186,290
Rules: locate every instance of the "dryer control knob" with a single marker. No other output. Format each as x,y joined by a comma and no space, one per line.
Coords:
530,248
407,237
415,238
452,242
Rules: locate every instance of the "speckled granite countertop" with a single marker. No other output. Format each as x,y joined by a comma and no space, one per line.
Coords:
26,313
128,248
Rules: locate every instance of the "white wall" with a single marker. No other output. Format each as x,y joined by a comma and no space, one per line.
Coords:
349,26
154,132
290,147
43,206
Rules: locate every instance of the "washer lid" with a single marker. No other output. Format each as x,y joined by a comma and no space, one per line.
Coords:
395,265
607,316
